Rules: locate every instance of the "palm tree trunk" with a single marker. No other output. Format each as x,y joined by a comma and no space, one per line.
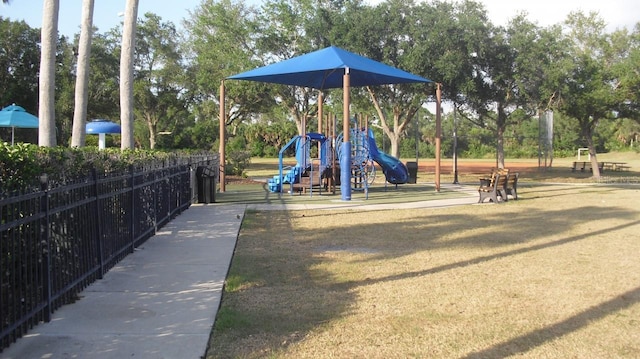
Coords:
126,74
82,76
49,41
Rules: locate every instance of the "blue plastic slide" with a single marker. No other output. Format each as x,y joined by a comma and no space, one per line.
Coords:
394,171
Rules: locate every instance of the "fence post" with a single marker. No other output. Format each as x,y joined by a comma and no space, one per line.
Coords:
132,216
45,238
155,185
98,218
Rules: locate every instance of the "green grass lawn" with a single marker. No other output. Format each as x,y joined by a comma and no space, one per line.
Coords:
553,275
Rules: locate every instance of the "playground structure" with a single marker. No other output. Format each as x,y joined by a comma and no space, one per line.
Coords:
316,172
331,68
323,173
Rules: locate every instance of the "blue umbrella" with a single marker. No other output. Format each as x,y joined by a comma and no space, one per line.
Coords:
15,116
101,127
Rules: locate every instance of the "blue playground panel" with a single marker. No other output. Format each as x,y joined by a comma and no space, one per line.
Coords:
394,170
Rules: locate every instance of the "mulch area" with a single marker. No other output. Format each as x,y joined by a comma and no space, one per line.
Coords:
240,180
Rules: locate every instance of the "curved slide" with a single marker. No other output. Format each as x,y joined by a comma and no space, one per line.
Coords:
394,171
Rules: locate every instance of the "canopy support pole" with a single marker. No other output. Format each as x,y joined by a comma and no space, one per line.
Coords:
222,117
438,132
345,152
320,110
320,101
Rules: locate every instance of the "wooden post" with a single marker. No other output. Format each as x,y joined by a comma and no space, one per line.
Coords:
320,101
345,106
345,161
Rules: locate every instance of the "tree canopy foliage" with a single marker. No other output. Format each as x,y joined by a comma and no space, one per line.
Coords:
498,78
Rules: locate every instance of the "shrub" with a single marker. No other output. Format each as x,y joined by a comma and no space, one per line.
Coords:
21,165
237,162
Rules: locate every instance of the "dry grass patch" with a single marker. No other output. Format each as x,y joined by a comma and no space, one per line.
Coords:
554,275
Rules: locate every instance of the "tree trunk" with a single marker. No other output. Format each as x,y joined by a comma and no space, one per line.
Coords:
595,170
395,134
394,140
126,74
501,125
82,76
152,126
49,41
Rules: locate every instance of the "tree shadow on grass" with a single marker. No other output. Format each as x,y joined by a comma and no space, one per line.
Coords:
481,259
276,298
286,292
529,341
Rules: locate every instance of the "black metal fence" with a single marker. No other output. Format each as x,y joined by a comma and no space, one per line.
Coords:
57,240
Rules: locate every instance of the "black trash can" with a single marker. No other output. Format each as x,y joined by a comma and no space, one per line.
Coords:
412,168
206,178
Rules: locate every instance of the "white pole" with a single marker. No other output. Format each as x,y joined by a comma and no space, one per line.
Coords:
101,141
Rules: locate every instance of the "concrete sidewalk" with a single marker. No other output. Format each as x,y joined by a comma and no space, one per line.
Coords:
158,302
470,196
161,301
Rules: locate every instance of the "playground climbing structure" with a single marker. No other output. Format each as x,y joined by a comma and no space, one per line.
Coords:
322,172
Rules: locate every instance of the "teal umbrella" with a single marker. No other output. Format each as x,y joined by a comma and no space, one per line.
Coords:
15,116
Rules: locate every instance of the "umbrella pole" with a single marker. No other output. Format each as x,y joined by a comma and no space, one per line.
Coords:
12,134
102,141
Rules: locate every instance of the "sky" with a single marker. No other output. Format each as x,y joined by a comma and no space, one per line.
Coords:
616,13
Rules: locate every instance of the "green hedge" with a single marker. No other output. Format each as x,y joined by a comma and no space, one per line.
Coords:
22,164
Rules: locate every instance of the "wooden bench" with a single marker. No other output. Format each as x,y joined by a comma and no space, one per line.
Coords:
493,188
511,188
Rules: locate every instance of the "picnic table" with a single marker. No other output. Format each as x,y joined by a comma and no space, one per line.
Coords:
603,166
614,166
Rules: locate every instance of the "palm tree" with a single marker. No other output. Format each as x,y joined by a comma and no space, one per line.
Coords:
126,74
49,40
82,76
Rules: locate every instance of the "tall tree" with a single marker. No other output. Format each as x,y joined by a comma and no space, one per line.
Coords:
223,42
591,92
19,61
103,76
158,77
49,37
82,75
285,22
627,69
65,88
126,75
389,39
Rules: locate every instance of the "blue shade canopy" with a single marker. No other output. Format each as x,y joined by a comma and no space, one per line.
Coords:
102,126
324,69
16,116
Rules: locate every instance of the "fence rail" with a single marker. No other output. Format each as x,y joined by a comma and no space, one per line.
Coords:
57,240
